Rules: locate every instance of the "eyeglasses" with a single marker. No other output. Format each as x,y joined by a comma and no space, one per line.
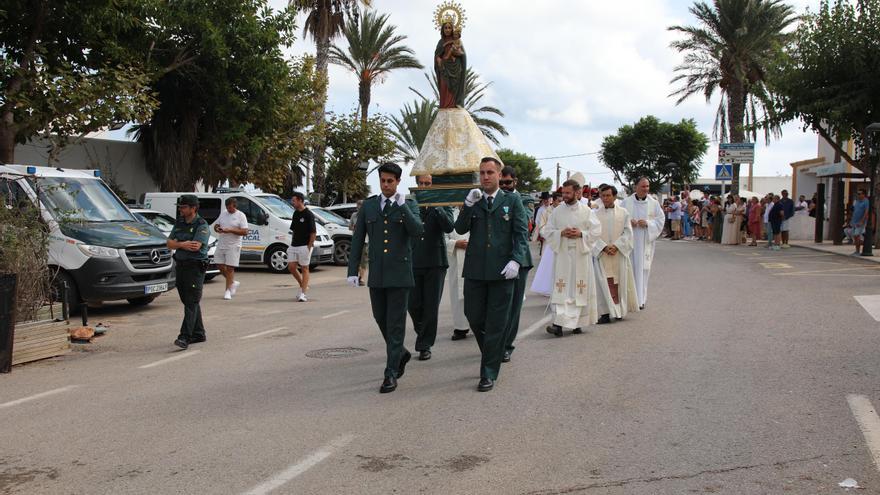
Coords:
505,182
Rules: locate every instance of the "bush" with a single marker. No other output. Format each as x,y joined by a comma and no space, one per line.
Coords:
24,241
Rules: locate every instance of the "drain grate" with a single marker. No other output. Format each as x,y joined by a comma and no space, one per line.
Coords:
336,353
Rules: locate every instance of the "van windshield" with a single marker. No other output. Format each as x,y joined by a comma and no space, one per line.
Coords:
84,200
277,206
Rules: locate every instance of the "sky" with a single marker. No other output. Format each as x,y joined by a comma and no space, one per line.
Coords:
566,74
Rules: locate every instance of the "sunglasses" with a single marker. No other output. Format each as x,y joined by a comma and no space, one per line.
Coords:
506,182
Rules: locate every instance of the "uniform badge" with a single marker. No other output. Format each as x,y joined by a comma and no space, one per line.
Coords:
506,213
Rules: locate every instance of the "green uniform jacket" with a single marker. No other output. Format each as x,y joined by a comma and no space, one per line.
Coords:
526,199
496,237
198,230
390,248
429,249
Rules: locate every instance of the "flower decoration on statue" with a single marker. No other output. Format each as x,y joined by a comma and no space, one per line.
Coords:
452,13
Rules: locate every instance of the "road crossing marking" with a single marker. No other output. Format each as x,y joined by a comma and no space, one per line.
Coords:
260,334
538,324
182,355
301,467
833,270
338,313
37,396
871,305
869,423
771,266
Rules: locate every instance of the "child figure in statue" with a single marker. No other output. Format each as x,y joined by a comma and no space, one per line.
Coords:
450,67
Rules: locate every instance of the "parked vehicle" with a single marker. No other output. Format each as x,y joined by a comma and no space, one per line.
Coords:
339,232
96,245
165,223
344,210
268,219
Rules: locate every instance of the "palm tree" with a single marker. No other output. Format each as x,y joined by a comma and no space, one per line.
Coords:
374,50
324,21
729,51
473,93
411,128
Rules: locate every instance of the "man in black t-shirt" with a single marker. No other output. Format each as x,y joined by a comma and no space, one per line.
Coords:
299,254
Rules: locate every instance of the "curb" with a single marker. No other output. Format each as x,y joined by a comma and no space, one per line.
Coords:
869,259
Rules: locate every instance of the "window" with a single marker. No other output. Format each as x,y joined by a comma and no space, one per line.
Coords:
250,209
209,209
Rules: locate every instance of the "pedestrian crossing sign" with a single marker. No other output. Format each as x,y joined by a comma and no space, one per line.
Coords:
723,172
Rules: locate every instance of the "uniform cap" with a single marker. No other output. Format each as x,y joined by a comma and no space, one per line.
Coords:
188,200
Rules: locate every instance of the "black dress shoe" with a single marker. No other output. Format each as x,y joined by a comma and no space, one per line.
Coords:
642,307
424,355
604,319
459,334
577,331
555,330
388,385
405,359
198,340
181,343
505,358
486,384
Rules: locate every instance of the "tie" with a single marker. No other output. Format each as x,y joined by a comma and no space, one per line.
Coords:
387,203
489,200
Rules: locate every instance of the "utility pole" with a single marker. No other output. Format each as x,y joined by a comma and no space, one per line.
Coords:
558,174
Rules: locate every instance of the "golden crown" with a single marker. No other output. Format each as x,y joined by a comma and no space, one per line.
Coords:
450,12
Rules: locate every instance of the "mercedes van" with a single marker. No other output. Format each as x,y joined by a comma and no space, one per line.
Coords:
268,219
96,246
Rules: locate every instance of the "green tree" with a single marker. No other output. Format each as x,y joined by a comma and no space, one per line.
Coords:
411,128
68,68
353,142
324,22
528,173
730,51
484,116
231,107
660,151
374,50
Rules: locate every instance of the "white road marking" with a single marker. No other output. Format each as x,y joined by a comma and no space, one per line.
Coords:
37,396
182,355
301,467
538,324
869,423
339,313
276,312
871,305
260,334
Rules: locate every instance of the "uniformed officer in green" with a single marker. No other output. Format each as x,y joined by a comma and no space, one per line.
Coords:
429,271
390,222
508,185
189,239
497,247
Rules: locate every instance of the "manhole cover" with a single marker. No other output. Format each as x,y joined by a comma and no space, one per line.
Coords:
336,352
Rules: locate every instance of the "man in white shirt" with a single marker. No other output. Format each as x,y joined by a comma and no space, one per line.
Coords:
231,226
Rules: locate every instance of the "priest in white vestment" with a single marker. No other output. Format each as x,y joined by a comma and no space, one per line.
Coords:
571,233
542,283
456,245
647,219
616,286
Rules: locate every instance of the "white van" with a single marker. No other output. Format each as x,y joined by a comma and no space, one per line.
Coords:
268,219
96,245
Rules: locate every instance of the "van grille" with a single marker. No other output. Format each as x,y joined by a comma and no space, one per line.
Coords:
144,258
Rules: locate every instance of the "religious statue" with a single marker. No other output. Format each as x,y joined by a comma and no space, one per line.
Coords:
450,66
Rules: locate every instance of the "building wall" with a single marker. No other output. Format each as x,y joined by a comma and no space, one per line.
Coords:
120,162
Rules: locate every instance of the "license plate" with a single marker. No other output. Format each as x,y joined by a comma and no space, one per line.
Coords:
156,288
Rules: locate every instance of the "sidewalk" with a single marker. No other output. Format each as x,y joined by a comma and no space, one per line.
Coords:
842,250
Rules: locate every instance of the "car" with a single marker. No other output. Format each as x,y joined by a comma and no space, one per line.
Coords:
165,223
344,210
338,229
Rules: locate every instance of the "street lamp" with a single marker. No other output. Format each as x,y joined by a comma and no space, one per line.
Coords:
872,135
670,166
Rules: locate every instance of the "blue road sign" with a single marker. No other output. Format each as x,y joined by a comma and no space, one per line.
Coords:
723,172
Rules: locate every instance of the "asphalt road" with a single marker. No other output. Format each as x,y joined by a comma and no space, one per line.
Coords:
742,376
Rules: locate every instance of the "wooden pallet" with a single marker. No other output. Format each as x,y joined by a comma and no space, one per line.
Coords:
39,340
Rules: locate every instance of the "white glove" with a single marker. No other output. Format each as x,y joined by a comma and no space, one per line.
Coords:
473,196
399,199
354,281
511,270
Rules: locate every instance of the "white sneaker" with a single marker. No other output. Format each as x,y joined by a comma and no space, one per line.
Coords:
302,297
227,295
234,288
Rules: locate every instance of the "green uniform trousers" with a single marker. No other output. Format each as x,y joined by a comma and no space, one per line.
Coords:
190,280
424,304
519,292
389,311
487,308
